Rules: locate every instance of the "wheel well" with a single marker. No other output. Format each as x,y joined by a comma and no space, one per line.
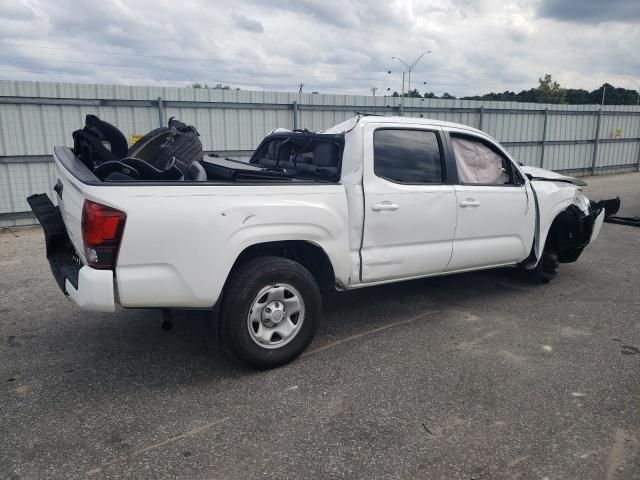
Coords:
309,255
568,235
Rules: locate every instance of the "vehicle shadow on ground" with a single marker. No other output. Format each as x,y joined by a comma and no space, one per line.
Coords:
130,345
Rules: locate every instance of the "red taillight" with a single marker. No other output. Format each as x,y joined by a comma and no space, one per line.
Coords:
102,229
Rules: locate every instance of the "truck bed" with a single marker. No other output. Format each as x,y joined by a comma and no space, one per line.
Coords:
187,224
220,171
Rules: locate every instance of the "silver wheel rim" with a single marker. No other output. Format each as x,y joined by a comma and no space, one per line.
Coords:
276,316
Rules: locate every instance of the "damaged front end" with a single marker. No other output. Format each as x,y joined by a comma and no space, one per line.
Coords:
567,221
578,225
574,228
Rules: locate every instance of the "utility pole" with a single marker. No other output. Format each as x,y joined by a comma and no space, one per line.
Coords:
373,90
604,89
300,90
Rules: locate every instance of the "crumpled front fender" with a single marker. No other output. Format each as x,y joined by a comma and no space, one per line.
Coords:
567,221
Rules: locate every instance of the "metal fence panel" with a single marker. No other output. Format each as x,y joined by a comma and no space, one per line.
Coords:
526,154
568,157
571,127
620,126
616,154
36,116
514,127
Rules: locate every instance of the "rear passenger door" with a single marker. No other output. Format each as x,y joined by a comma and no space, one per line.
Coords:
496,211
410,212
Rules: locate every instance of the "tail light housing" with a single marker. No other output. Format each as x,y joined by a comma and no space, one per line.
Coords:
102,229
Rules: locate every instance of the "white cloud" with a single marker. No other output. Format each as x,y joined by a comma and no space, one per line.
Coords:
246,23
330,45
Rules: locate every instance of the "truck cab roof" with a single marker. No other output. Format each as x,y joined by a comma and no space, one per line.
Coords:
349,124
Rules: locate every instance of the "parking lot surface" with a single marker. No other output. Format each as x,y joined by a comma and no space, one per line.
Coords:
471,376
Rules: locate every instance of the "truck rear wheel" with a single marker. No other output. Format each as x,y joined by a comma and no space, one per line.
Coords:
270,312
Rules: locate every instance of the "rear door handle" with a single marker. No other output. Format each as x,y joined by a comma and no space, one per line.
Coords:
469,202
379,207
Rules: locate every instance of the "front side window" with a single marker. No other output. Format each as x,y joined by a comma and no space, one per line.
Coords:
478,163
407,156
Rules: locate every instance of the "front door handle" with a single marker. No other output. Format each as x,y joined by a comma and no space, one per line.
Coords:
58,188
469,202
379,207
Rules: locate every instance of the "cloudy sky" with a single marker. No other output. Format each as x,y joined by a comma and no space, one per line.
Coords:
332,46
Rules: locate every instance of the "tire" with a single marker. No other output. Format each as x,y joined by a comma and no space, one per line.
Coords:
250,326
546,270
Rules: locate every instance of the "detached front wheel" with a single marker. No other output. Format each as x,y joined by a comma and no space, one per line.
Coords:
270,312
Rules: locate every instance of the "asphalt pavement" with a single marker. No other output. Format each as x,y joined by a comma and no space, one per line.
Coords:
471,376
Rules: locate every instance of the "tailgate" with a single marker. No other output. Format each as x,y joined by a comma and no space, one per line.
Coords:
65,264
89,288
70,194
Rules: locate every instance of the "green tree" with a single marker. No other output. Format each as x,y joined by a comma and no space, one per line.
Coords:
550,91
577,96
614,96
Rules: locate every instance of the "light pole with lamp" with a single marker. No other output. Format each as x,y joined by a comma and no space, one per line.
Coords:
410,68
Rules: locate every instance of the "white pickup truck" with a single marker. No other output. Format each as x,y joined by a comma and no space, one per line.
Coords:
369,201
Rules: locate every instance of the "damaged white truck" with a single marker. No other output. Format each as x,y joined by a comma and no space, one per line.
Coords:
369,201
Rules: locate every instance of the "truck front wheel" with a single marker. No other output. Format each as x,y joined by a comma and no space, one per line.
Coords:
270,312
546,269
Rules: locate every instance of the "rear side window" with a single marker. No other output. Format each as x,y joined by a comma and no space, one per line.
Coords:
407,156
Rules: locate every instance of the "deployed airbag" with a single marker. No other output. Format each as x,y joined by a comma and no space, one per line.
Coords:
477,163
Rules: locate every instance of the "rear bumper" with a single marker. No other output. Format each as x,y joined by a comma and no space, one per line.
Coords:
89,288
94,290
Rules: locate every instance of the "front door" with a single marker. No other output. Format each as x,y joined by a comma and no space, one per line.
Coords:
496,211
410,214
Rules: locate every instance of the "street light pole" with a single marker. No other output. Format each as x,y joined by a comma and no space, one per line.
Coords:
411,67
